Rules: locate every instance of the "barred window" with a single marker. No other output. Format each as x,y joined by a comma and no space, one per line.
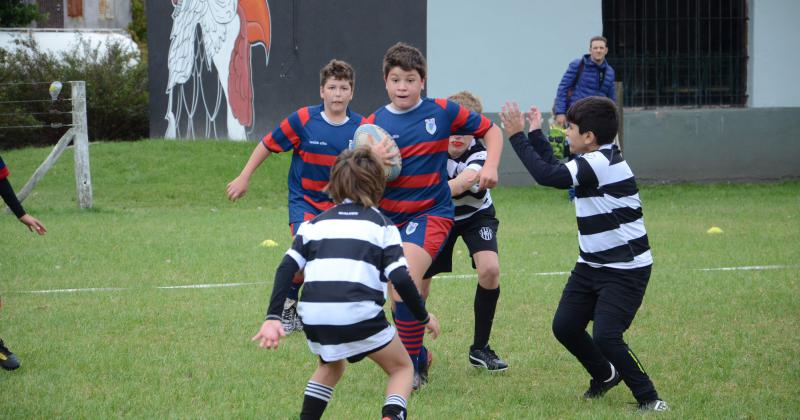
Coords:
678,52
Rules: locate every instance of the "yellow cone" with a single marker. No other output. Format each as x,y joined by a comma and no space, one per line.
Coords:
714,230
269,243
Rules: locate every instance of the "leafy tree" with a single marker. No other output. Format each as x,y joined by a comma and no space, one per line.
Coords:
15,13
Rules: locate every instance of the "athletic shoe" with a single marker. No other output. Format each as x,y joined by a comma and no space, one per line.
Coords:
7,359
421,376
597,388
487,359
289,318
653,405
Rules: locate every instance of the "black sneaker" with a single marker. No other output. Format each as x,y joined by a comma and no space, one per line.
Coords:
597,388
421,376
7,359
290,320
487,359
653,405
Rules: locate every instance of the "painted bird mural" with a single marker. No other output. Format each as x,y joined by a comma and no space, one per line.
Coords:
228,29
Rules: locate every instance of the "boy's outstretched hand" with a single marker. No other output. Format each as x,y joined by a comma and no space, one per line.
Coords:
534,117
33,224
433,326
270,334
512,118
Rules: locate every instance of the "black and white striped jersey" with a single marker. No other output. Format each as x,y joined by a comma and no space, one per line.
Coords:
348,252
611,229
469,202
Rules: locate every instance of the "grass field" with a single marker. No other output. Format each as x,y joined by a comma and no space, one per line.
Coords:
717,343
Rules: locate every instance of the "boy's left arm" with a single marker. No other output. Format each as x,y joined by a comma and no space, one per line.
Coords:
548,174
494,148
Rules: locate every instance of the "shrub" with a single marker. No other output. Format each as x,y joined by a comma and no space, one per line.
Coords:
116,93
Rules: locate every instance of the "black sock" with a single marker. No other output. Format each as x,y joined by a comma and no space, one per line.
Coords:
316,399
485,305
394,408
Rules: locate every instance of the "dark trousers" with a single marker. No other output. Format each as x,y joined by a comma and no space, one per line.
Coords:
611,298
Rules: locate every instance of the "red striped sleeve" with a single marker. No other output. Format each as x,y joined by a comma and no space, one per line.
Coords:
415,181
3,173
485,125
271,144
317,159
461,118
288,131
368,120
425,148
303,114
441,102
404,206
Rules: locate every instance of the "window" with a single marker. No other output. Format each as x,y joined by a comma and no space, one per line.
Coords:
678,52
74,8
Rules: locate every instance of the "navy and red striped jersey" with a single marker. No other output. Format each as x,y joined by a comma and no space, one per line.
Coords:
422,135
3,169
316,142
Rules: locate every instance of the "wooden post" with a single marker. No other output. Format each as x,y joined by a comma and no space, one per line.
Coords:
45,166
83,178
621,130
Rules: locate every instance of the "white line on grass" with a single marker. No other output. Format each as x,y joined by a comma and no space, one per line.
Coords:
438,277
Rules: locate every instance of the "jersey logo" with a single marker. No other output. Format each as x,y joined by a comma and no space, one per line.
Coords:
486,233
412,226
430,125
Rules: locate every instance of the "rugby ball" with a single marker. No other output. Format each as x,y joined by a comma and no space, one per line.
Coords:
369,134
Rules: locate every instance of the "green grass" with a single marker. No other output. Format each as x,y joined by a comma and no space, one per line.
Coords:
718,344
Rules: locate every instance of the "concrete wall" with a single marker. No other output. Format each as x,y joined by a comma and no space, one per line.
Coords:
705,145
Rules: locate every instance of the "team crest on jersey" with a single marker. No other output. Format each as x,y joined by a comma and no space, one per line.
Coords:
486,233
411,227
430,125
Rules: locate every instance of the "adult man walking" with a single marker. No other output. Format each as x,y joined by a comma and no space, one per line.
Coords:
590,75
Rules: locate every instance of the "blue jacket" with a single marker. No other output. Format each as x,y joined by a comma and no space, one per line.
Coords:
588,85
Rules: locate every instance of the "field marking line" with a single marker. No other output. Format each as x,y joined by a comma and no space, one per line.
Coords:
438,277
749,268
210,285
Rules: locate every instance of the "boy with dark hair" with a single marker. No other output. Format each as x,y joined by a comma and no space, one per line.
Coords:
316,134
609,280
476,224
418,201
348,253
8,360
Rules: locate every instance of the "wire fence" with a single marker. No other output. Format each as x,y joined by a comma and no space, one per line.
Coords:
34,113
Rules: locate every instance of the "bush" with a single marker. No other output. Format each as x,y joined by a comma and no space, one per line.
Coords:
116,93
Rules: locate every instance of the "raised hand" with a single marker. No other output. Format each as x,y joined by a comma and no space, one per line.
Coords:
512,118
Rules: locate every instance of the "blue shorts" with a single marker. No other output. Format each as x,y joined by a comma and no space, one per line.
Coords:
428,232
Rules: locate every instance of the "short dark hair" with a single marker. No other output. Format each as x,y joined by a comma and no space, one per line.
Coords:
598,38
358,175
597,114
406,57
468,100
339,70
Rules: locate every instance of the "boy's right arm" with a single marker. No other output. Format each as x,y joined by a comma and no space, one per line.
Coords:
271,330
238,187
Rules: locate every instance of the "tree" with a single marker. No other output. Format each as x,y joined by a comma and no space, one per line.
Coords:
15,13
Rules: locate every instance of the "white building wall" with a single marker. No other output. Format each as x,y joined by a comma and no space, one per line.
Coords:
507,49
774,59
101,14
